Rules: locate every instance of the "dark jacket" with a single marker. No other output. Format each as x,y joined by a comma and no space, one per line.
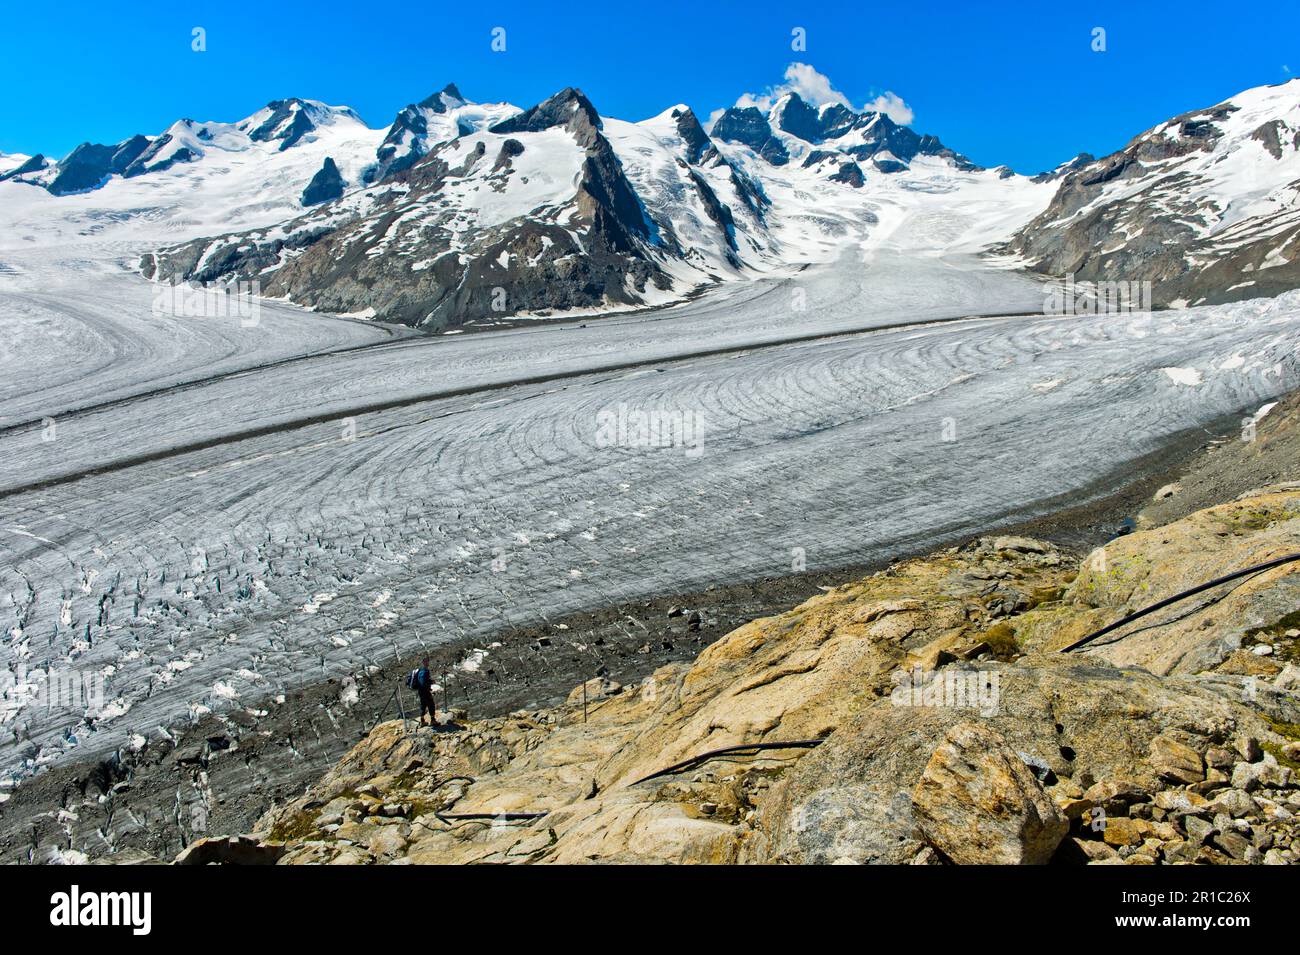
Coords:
423,680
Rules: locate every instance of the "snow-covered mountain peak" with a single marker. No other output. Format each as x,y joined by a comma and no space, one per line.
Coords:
447,98
438,118
679,123
287,121
563,208
568,108
792,126
1204,206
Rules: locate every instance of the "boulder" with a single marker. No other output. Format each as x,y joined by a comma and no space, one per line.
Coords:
1176,761
231,850
978,803
1266,773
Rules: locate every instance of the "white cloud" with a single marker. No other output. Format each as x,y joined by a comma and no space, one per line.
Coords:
892,105
815,88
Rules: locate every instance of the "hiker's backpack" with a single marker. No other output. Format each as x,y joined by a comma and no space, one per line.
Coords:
413,679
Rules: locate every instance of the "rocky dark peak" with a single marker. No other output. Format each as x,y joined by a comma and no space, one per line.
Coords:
882,134
837,119
87,166
748,126
128,152
325,186
693,135
288,122
568,108
405,142
438,101
148,161
797,118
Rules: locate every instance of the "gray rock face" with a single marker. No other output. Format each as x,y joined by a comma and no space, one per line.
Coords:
325,186
408,138
289,121
750,127
87,166
149,161
699,146
898,778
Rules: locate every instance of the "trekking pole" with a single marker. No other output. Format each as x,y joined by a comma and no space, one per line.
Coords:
601,672
379,714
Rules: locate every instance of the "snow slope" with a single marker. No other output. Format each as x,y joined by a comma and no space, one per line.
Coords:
1206,206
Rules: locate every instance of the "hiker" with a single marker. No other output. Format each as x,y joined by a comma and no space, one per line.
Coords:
421,681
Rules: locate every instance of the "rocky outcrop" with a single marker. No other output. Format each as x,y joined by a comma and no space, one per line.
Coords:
32,164
1216,633
934,723
87,166
326,186
850,173
231,850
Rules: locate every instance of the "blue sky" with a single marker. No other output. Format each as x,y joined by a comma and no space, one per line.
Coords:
1009,82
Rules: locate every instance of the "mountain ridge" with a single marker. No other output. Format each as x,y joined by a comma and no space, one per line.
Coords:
603,214
1205,206
633,214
